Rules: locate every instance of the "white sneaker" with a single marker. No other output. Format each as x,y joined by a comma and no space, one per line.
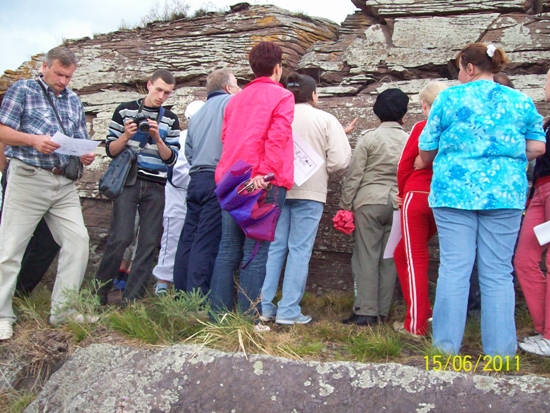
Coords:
83,319
6,330
301,319
73,316
531,338
261,328
540,346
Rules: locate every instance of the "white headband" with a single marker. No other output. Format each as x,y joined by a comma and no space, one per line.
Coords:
491,50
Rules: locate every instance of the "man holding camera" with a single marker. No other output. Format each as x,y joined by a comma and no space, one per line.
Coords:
145,124
33,110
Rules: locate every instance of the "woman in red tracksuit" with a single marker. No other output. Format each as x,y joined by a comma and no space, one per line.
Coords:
417,225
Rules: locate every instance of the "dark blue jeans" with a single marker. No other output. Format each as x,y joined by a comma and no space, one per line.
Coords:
234,249
200,236
147,198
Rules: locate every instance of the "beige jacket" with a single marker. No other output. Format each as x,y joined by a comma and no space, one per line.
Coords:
372,175
327,137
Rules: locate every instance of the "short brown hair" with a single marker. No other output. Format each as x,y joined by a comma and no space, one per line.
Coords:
165,75
476,54
63,55
264,57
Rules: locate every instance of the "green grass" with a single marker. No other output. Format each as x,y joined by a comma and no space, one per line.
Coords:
16,401
375,345
183,318
134,321
167,319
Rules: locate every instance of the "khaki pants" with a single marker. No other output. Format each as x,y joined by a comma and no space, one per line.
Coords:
33,193
374,276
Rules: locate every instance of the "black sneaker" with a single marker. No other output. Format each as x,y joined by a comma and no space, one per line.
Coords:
361,320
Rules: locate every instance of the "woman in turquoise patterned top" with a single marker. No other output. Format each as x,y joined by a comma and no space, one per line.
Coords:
480,136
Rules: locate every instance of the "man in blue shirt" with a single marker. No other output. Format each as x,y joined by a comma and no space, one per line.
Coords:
37,187
200,238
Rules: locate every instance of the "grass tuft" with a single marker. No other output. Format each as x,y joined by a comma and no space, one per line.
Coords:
231,332
166,319
14,401
375,345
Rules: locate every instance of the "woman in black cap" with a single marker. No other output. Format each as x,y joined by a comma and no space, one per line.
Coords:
369,190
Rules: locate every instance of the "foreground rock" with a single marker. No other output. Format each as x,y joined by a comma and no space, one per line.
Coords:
106,378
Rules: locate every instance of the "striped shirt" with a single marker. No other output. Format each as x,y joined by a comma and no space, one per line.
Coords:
150,165
25,108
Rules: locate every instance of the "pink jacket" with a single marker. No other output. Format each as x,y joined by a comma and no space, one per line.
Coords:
257,129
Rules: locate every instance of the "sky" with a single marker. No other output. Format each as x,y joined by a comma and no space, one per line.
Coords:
28,27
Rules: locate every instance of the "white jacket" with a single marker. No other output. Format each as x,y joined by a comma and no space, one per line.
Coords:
326,136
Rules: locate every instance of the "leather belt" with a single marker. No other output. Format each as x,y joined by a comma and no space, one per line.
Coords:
55,170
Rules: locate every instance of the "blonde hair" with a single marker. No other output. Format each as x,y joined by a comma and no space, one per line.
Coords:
430,91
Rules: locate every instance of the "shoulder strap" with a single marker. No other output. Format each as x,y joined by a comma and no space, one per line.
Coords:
52,105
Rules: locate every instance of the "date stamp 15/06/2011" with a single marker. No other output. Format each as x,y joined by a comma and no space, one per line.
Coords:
460,363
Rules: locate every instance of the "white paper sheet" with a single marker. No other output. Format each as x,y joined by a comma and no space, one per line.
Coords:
70,146
542,233
306,160
395,235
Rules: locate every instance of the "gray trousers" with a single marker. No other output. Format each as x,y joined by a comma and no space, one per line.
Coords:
32,194
374,276
147,198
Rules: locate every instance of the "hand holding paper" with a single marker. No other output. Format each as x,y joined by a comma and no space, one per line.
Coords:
71,146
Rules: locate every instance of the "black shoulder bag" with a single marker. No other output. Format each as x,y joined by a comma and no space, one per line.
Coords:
74,168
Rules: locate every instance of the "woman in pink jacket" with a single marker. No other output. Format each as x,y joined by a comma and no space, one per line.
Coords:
257,130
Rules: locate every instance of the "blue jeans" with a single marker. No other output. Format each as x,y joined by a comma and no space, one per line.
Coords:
234,249
147,198
493,234
295,235
200,237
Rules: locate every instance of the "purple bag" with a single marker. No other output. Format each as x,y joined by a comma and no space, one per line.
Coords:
257,219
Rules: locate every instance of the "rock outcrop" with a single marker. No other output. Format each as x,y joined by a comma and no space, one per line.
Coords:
397,43
106,378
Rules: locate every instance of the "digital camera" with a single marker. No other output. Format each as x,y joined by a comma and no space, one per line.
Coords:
141,121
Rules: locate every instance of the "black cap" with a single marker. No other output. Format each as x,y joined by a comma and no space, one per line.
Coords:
391,105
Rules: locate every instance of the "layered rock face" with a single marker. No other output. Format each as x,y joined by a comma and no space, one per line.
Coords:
388,43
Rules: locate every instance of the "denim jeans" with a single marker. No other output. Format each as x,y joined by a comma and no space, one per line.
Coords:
200,238
295,235
234,249
147,198
493,233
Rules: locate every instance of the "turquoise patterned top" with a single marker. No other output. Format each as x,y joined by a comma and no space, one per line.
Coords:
479,129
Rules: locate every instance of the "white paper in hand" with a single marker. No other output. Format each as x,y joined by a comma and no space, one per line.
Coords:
542,232
395,235
70,146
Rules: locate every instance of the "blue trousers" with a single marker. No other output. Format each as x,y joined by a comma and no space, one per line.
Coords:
234,249
200,237
492,234
295,236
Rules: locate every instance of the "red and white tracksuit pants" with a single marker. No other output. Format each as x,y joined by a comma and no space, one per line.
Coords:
411,258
